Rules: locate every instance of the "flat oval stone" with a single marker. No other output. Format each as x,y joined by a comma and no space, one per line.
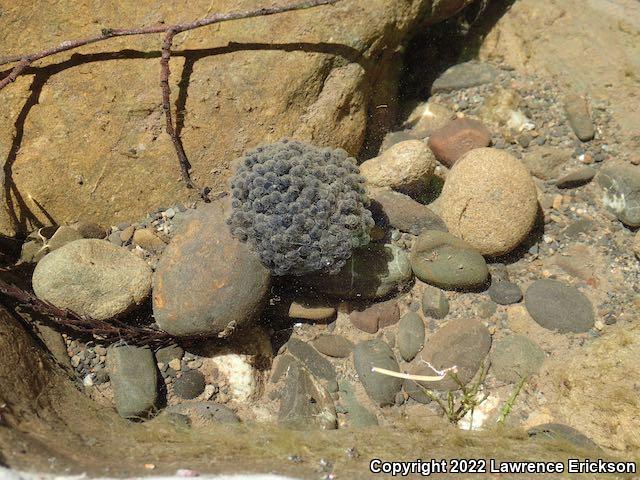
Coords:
440,259
333,345
505,293
207,283
381,388
463,343
558,306
410,335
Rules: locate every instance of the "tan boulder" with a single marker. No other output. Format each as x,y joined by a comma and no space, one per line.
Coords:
490,200
82,135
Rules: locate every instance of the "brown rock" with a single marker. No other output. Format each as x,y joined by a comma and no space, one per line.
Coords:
97,127
127,233
333,345
63,236
456,138
379,315
391,138
148,240
306,312
463,343
196,294
490,201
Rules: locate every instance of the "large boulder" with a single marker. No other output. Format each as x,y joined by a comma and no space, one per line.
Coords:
489,200
92,118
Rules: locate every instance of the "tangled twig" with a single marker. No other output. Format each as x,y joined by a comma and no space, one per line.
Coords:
104,331
170,31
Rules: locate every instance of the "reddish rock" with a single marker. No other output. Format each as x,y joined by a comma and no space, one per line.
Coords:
379,315
456,138
207,283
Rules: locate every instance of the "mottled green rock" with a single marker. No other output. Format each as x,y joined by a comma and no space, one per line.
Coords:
440,259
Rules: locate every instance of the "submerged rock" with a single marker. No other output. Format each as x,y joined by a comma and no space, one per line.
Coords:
516,357
317,365
394,209
505,293
93,278
410,336
464,75
357,415
333,345
458,137
189,385
578,115
374,271
558,306
490,200
621,192
133,375
461,343
440,259
207,283
381,388
426,118
305,403
378,315
434,303
545,162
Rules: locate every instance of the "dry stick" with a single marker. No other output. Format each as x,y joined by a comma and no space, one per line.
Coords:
109,331
170,31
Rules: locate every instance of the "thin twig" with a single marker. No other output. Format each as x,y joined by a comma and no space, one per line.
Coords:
170,31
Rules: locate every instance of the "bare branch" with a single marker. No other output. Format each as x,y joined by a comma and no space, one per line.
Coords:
104,331
170,31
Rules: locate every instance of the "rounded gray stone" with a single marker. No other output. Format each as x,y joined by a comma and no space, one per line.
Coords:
133,375
505,293
515,357
190,384
381,388
435,303
393,209
207,283
558,306
93,278
410,336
